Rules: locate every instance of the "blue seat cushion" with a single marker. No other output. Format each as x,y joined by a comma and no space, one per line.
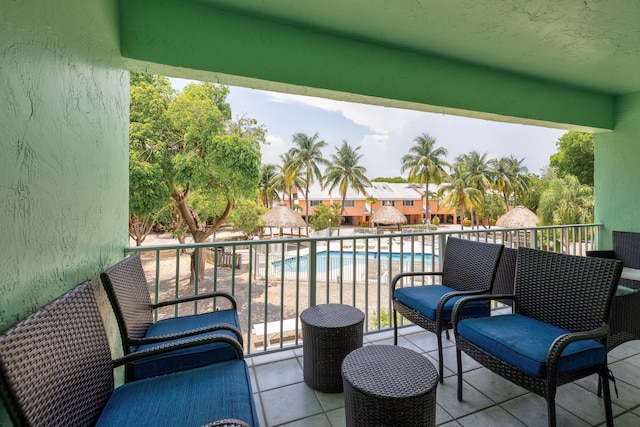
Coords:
187,358
424,300
524,342
188,398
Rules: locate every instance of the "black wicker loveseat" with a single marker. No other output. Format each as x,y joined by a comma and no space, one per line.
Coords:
56,370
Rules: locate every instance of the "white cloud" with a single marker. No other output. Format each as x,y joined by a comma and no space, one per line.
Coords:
276,146
382,120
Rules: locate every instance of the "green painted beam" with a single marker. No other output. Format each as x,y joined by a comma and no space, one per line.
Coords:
194,40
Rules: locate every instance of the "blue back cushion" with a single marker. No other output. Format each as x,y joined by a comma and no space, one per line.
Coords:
189,398
424,299
187,358
524,342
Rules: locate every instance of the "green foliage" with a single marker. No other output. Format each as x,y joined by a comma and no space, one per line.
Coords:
324,216
395,179
566,201
383,317
493,206
466,222
575,156
247,216
435,221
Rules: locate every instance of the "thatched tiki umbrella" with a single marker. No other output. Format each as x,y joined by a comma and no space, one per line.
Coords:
388,215
282,216
518,217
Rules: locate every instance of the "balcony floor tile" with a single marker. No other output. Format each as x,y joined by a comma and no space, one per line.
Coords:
283,399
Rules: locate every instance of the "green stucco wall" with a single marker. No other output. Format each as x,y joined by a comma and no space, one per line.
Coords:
617,171
63,151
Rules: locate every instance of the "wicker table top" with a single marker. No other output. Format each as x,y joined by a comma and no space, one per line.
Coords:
331,316
389,371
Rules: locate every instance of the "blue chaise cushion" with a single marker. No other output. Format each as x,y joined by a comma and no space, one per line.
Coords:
188,358
424,299
524,342
189,398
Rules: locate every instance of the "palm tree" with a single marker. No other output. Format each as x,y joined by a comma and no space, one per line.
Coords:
287,177
344,172
459,194
479,176
520,177
267,186
307,155
502,180
425,162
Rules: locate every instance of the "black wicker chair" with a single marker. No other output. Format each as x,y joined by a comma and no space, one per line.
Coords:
469,268
128,292
506,274
56,370
626,248
557,333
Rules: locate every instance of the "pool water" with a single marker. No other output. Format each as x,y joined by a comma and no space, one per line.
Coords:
347,258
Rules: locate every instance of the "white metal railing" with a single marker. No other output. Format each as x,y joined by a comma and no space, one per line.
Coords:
274,280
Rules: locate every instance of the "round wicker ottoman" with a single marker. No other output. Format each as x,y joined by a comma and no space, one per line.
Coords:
329,333
386,385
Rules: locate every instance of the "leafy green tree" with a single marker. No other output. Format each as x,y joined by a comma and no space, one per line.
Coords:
575,156
247,216
493,207
395,180
479,174
148,130
307,156
268,184
509,178
209,162
425,163
287,177
566,201
344,172
458,193
323,217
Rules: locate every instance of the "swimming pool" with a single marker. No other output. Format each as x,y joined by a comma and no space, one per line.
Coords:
331,260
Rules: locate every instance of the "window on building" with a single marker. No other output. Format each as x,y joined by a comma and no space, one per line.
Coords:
349,203
315,202
389,203
407,203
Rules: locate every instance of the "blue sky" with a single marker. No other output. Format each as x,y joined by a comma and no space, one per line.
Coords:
385,134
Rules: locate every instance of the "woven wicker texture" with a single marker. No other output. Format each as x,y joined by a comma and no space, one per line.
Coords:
330,332
61,350
227,423
626,246
127,288
387,385
506,274
570,292
625,319
468,266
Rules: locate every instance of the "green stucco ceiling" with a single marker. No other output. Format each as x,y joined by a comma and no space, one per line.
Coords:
593,44
551,62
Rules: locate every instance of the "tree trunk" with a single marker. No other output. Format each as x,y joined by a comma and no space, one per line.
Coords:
139,228
199,231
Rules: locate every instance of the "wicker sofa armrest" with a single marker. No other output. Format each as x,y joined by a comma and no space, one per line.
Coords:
197,298
196,341
184,334
457,308
400,276
558,346
602,254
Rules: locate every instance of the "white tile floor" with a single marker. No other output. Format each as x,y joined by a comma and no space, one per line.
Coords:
283,399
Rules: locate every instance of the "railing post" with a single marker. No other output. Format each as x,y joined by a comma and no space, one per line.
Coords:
313,250
534,244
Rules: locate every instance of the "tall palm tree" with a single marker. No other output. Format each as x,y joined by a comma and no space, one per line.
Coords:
502,180
425,162
458,193
307,156
267,186
519,177
344,172
287,177
479,176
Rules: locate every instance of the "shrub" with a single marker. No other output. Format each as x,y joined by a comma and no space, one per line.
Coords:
435,221
466,222
384,318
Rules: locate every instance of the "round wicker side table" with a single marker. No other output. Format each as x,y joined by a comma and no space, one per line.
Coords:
386,385
329,333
